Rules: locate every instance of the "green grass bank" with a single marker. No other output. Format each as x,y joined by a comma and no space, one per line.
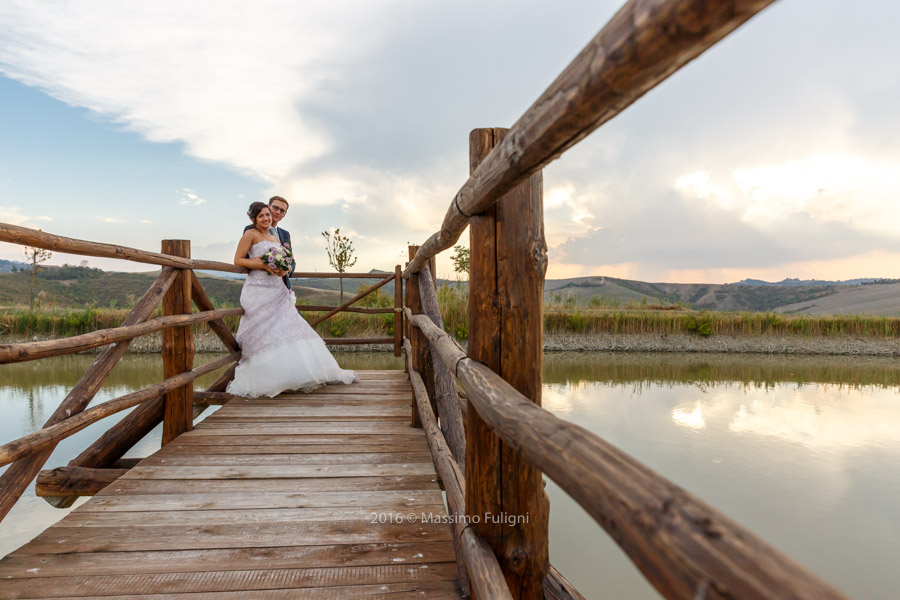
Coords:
567,326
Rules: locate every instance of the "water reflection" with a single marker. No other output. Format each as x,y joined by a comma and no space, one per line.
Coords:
758,371
805,452
693,419
31,391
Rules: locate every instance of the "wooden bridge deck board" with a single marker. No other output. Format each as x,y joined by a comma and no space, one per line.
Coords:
270,498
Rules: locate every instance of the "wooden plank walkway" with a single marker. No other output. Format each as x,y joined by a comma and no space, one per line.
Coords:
266,498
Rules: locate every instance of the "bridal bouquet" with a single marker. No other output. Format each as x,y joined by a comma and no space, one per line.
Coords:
279,258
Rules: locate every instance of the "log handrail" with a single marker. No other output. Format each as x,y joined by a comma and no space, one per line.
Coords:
201,300
18,476
16,234
109,448
478,557
53,434
72,482
642,45
351,309
446,395
479,565
356,341
682,545
384,281
377,276
25,351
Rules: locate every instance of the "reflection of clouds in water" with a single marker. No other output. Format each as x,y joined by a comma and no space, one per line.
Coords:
693,419
557,399
830,419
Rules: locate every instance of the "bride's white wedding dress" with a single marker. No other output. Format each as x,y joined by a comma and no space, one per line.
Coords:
280,351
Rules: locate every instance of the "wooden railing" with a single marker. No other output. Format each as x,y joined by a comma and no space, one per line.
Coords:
685,548
396,340
172,401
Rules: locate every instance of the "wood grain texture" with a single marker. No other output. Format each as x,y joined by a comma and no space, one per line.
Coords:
487,578
641,46
508,259
228,581
357,341
189,520
15,234
445,394
53,434
133,503
351,309
16,566
398,307
19,475
75,481
474,554
557,587
177,348
212,398
202,302
413,590
421,354
447,468
12,353
681,544
122,436
359,296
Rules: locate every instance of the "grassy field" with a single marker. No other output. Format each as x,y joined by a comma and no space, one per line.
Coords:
560,318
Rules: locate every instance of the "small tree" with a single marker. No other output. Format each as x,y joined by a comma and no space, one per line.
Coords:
460,259
340,253
35,256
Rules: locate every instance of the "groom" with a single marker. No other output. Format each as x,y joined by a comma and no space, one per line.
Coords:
278,206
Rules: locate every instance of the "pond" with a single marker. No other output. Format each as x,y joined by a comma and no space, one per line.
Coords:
803,451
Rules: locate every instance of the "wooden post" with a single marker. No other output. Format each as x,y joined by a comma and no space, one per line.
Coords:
421,359
398,306
446,395
17,477
506,281
178,348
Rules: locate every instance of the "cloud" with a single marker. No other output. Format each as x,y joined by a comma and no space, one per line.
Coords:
226,88
777,145
189,198
13,215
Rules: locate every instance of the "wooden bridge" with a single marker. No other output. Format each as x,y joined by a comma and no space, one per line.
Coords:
338,493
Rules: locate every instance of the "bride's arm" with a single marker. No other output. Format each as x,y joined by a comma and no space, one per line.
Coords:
243,248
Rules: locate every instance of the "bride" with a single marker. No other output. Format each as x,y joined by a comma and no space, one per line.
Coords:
280,351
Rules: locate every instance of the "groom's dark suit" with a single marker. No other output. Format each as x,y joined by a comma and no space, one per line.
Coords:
285,238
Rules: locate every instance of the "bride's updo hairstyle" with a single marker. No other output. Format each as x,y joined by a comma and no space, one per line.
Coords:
255,209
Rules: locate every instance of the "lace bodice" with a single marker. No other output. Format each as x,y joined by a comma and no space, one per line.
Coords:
261,276
260,248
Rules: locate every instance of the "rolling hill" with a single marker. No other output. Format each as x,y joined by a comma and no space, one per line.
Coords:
69,286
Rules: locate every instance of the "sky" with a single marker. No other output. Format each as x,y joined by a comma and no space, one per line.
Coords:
775,154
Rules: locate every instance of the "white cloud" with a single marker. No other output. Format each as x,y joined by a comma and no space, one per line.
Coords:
849,188
225,82
14,216
189,198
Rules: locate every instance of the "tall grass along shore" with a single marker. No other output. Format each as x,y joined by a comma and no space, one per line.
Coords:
594,325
